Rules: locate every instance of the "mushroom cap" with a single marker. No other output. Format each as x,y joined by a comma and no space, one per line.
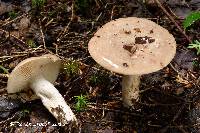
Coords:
132,46
46,66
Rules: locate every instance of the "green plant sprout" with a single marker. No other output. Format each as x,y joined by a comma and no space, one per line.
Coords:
195,45
81,102
95,79
191,18
195,63
99,78
12,14
4,69
82,4
71,68
23,114
52,13
31,43
37,3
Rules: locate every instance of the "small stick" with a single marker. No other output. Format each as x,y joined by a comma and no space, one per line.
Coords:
43,39
173,20
12,56
36,49
19,17
69,23
4,75
112,13
14,39
56,48
49,22
173,68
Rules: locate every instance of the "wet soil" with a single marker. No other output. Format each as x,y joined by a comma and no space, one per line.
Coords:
169,99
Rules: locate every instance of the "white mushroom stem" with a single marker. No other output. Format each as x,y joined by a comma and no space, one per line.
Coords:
53,100
130,89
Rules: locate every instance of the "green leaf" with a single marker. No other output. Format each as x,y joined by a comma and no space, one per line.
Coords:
195,45
4,69
191,46
81,103
191,18
198,52
38,3
12,14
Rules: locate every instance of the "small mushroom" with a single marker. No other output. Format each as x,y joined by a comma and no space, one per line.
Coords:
38,73
132,54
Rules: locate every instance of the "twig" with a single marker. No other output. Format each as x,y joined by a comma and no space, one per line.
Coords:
12,117
43,38
35,49
94,106
112,13
170,64
69,23
11,57
174,118
19,17
173,20
180,128
4,76
14,39
161,104
49,22
97,19
56,48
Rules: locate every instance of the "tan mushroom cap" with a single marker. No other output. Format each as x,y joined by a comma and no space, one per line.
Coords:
132,46
46,66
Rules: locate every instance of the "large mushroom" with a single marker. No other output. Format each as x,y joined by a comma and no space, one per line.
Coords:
38,73
132,47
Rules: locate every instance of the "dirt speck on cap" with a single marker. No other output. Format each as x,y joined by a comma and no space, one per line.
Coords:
125,64
130,48
127,32
144,40
137,30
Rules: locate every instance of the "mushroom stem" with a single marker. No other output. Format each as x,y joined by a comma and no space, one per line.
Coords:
53,101
130,89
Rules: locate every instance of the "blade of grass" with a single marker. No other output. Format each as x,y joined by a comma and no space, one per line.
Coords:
191,18
4,69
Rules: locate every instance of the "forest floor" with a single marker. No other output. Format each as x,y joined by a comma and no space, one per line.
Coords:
169,99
